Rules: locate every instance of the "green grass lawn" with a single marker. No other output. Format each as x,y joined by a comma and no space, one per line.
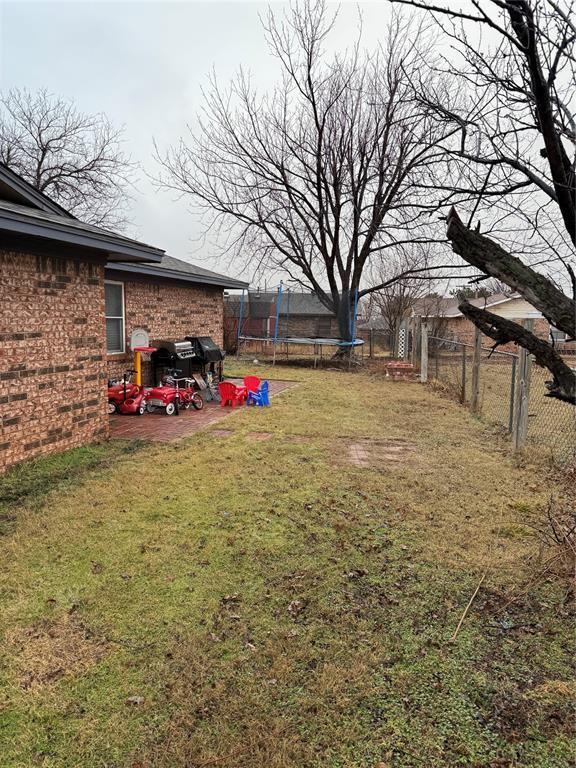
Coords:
264,603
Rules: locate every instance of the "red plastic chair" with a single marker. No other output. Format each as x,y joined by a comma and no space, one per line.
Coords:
252,383
230,394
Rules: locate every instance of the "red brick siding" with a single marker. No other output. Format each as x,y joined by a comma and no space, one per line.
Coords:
168,310
308,326
52,355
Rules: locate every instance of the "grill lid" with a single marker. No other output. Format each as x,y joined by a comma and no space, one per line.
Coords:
181,350
206,349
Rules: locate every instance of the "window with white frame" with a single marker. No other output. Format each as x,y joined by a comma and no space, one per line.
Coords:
114,294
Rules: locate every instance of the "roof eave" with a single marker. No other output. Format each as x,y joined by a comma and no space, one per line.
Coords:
186,277
115,249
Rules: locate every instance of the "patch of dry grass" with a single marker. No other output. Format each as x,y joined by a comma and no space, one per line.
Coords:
51,649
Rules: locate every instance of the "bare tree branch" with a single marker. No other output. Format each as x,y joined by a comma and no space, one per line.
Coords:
74,158
514,110
493,260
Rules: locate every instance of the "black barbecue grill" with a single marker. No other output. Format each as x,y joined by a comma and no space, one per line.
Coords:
193,354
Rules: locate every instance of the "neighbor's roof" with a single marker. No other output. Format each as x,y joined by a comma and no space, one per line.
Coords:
447,306
177,269
303,304
263,303
24,211
377,323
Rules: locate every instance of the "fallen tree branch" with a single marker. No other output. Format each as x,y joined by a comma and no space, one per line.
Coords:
504,331
490,258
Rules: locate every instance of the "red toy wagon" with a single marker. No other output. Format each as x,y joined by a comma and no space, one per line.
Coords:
173,394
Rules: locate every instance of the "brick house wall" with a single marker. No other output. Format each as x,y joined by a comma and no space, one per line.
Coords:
52,355
308,326
463,330
167,310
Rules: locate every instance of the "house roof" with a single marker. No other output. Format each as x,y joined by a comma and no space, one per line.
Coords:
24,211
447,306
177,269
23,220
17,190
304,304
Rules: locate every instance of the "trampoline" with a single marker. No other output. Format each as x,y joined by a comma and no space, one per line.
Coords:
317,342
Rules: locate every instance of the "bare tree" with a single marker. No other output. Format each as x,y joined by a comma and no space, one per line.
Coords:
318,176
432,311
514,160
75,158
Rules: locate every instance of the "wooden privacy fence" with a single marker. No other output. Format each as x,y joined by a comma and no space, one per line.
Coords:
502,388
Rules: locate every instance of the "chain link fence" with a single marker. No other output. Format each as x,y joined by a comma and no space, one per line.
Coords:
377,342
507,390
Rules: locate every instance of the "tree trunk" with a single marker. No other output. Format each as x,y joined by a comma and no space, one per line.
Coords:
344,315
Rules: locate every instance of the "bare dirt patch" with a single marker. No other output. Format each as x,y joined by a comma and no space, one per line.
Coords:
375,453
44,653
222,432
259,435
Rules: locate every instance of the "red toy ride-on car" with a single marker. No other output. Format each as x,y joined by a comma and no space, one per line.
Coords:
171,396
126,397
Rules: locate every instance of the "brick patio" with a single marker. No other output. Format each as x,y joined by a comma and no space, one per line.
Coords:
158,427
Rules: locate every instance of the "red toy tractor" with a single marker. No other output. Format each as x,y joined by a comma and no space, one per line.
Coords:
171,396
125,396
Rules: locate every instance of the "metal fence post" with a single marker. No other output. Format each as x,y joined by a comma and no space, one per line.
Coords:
475,391
371,342
512,400
463,389
423,352
415,351
521,399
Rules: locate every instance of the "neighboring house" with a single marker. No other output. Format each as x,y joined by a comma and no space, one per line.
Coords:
446,320
300,314
71,294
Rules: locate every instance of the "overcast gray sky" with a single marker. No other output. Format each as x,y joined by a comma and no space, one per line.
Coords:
143,64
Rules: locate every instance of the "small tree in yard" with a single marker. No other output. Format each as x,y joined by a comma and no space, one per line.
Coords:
324,174
394,301
514,160
74,158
